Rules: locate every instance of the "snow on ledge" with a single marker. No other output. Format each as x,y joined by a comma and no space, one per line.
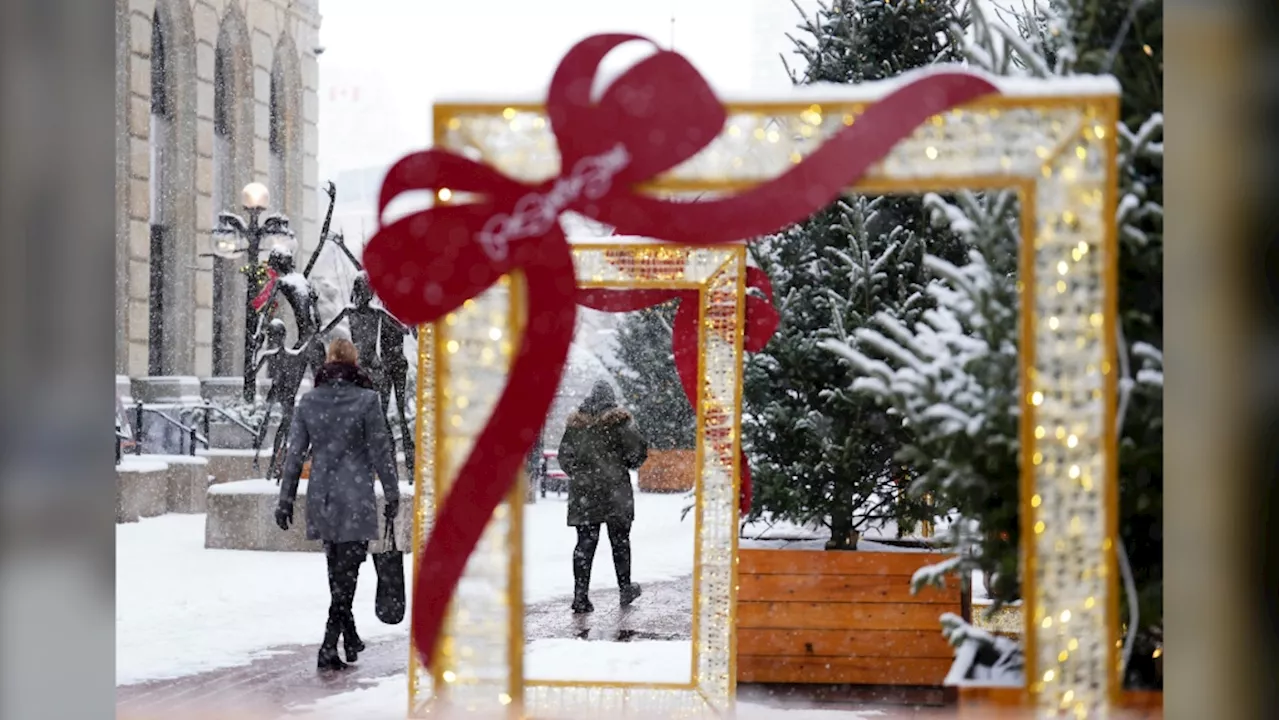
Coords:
262,486
1019,87
182,459
141,464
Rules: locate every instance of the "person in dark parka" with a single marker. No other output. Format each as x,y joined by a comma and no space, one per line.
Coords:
601,445
340,426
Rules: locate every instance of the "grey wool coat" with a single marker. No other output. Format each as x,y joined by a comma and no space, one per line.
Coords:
598,452
340,426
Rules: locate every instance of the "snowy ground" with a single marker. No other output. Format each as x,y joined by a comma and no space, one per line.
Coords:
653,661
182,609
384,700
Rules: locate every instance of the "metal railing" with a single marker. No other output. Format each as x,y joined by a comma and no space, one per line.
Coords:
194,437
237,422
140,410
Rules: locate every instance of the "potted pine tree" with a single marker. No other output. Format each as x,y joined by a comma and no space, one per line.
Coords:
839,608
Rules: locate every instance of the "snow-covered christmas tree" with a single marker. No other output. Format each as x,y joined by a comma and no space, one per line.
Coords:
951,376
821,454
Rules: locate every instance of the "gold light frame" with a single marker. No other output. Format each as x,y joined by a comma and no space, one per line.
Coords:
466,356
1053,142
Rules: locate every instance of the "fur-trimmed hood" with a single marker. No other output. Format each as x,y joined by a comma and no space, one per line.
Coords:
608,418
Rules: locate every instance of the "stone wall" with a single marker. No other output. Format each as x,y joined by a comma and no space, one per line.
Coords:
200,174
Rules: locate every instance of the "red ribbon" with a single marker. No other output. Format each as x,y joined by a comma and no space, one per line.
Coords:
265,295
761,322
654,117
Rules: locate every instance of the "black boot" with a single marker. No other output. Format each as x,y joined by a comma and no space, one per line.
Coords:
328,660
620,540
583,554
628,593
581,601
351,643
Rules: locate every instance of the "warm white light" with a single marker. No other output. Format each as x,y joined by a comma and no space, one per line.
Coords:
226,244
255,196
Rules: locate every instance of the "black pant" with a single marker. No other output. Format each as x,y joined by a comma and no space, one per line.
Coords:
585,552
344,561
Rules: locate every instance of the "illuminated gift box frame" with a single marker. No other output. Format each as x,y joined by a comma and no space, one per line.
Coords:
1053,142
466,359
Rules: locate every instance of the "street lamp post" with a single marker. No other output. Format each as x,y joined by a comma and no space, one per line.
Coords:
233,238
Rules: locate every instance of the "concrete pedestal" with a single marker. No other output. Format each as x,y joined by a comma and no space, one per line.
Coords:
241,516
142,488
233,464
187,483
150,485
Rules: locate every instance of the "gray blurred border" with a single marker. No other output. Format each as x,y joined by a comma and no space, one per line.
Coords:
1220,352
56,210
57,560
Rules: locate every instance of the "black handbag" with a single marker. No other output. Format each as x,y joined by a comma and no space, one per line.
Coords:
389,564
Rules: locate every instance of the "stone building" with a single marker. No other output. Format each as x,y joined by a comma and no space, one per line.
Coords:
210,95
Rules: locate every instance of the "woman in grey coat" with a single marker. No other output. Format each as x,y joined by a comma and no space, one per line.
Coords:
600,448
340,425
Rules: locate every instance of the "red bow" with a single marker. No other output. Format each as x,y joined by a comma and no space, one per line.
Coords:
654,117
262,297
762,321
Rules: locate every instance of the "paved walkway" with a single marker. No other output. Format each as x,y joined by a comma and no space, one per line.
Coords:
663,612
286,676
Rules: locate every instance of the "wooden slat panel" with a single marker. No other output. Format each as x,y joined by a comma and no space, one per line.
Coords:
844,643
830,562
840,616
992,697
841,588
1142,699
860,671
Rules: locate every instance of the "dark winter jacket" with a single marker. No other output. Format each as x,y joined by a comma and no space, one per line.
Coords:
597,452
340,426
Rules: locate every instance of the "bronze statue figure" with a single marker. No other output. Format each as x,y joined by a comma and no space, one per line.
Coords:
379,338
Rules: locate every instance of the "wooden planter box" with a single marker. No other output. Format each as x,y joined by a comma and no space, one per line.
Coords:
981,703
668,471
841,617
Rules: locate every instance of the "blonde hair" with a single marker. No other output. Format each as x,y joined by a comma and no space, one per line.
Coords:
342,350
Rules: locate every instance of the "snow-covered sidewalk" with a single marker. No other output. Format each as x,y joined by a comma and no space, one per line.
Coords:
182,609
384,700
